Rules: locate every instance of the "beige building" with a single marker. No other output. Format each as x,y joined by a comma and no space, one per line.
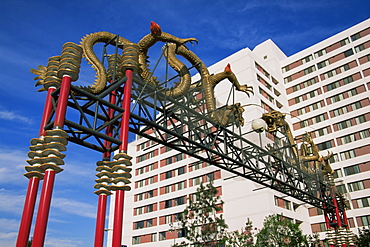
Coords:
324,89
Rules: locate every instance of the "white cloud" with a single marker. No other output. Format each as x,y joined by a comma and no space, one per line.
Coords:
8,115
11,202
12,166
9,224
60,242
74,207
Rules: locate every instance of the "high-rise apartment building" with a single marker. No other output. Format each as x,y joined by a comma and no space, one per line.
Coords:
323,89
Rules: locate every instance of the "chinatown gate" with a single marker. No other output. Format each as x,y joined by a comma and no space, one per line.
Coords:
126,97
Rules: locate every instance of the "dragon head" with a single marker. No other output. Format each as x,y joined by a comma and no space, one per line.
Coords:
274,120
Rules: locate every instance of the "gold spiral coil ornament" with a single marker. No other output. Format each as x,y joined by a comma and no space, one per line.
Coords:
130,57
70,61
114,67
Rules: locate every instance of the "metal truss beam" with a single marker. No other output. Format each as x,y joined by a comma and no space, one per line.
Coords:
183,124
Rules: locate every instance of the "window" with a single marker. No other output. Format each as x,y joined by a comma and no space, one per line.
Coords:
348,154
337,174
149,208
351,170
360,119
309,70
344,68
286,68
162,236
179,201
363,202
287,79
323,64
321,132
364,134
348,53
320,53
168,174
307,59
324,145
136,240
197,180
154,237
347,80
333,85
341,189
355,186
365,220
359,48
348,138
210,177
139,225
344,42
181,170
355,36
149,223
168,203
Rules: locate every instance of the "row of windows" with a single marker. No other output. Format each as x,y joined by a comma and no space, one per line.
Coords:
146,168
145,209
310,108
337,71
146,195
363,202
354,136
345,109
175,202
327,50
305,84
350,122
337,84
260,68
342,96
147,181
144,223
313,120
307,96
144,145
146,156
174,187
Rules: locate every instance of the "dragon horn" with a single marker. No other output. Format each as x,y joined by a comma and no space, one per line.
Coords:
155,29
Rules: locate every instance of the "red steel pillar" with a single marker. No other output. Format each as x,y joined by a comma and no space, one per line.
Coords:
33,184
120,194
47,188
102,198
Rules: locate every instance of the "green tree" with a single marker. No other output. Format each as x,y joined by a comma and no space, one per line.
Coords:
244,238
279,231
202,225
363,239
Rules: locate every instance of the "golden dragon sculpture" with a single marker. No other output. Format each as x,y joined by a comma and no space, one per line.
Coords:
48,76
276,120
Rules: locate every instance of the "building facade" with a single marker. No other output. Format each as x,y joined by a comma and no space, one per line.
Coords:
324,90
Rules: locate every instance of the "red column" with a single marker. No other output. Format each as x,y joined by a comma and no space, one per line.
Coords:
120,194
33,184
100,220
48,185
44,208
29,206
102,198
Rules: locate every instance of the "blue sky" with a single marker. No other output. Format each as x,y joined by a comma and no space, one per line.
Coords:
33,31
